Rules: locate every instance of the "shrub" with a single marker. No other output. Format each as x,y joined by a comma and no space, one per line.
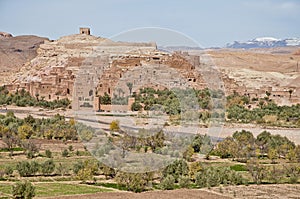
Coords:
210,177
30,154
27,169
23,190
8,170
77,166
176,169
136,106
48,167
48,153
168,182
70,148
135,182
87,171
62,169
65,153
184,181
114,125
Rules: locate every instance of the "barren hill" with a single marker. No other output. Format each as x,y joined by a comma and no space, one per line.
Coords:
15,52
276,70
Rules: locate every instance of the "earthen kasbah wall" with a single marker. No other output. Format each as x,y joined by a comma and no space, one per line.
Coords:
80,67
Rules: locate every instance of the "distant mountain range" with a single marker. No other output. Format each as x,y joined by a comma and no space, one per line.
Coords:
265,42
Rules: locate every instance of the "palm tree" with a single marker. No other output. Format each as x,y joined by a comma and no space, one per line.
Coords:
290,91
130,85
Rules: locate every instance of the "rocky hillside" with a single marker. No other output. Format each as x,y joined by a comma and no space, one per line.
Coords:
15,52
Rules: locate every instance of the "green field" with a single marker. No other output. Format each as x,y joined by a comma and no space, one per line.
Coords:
55,189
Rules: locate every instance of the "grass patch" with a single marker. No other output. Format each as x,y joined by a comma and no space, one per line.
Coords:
5,190
112,185
57,189
54,189
239,167
13,149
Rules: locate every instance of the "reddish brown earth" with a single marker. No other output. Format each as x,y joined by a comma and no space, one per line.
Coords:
174,194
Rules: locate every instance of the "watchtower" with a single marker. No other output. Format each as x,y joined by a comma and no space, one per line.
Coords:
85,31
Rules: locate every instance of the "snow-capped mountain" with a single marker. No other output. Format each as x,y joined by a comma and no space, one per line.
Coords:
265,42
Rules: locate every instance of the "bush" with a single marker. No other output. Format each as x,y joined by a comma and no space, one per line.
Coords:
136,106
23,190
114,125
65,153
48,153
210,177
78,166
168,182
62,169
87,171
135,182
27,169
70,148
176,169
8,170
184,181
48,167
30,154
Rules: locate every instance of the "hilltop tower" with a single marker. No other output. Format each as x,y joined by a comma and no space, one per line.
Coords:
85,31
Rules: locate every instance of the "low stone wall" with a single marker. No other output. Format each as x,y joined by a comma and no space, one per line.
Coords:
118,108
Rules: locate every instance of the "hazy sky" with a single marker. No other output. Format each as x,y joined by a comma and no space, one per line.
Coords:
209,22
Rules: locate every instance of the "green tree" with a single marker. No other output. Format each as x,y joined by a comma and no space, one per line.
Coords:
272,154
184,181
256,170
136,106
168,182
88,170
194,168
178,168
290,91
48,167
129,85
23,190
108,171
106,99
65,153
26,168
48,153
135,182
188,153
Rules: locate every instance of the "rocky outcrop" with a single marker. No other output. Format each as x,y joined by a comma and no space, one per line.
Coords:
16,52
5,35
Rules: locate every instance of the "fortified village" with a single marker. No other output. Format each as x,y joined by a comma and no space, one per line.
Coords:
82,67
